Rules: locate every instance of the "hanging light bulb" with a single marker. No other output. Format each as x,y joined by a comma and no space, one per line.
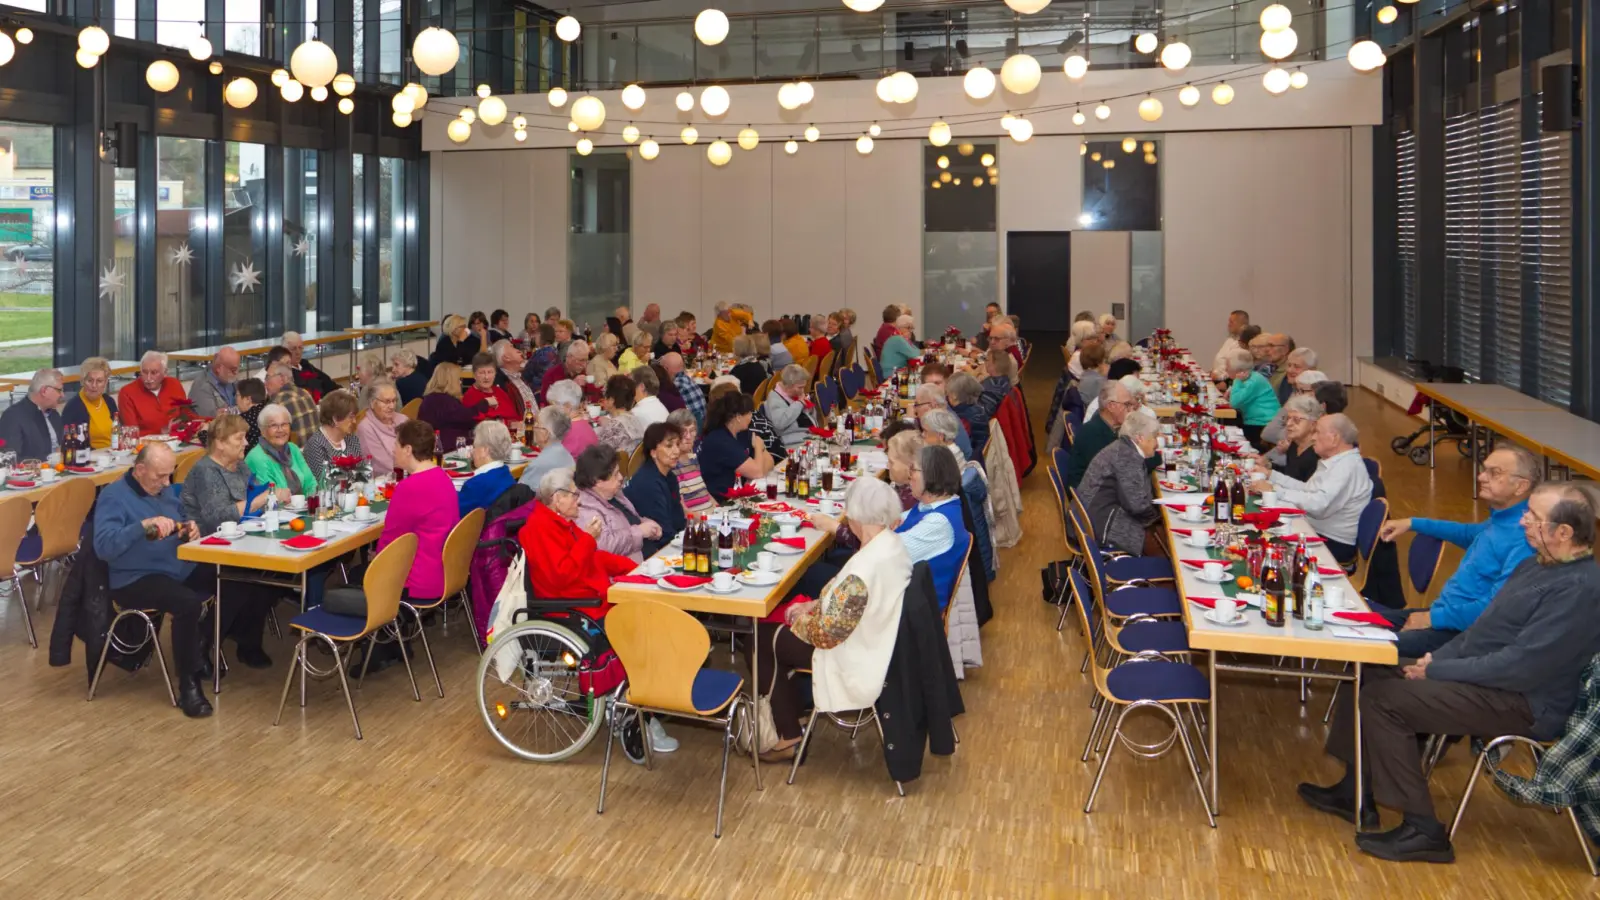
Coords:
689,135
585,146
1279,44
649,149
279,76
863,6
874,129
719,153
568,29
292,91
1222,94
791,146
1146,42
1129,145
239,93
587,111
633,97
417,93
1150,109
93,40
1020,73
939,134
789,96
942,162
319,93
200,48
1083,149
215,68
1027,7
24,35
1102,112
313,63
1365,56
435,51
1299,79
1075,66
864,145
1006,121
404,119
346,105
711,26
714,100
557,97
492,110
805,92
344,84
987,160
1021,130
1276,80
684,101
630,134
572,127
1388,14
812,133
978,83
884,89
748,138
468,116
1078,117
903,87
483,91
162,76
458,131
521,134
1176,55
1276,17
1189,95
402,103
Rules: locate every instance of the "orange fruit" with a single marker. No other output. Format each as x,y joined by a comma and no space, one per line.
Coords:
297,524
362,500
61,467
1244,582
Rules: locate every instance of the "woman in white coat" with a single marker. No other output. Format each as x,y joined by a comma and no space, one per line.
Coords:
845,636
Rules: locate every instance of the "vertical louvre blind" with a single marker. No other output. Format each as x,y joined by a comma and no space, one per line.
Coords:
1463,296
1547,252
1500,151
1405,163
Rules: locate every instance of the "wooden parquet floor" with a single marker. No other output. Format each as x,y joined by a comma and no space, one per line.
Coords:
124,798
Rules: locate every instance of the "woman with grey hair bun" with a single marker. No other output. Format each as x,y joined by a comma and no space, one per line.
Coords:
549,427
1305,384
491,473
940,428
846,635
1294,454
963,392
1115,489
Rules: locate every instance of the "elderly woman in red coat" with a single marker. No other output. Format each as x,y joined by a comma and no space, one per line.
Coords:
564,561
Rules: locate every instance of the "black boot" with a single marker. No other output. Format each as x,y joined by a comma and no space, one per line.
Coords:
192,700
1339,800
254,657
1418,839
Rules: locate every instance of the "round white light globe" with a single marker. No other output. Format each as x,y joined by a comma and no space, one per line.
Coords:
279,76
313,63
711,26
1387,15
1102,112
346,105
292,91
458,131
719,153
435,51
585,146
1027,7
240,93
1146,42
319,93
344,84
417,93
557,97
885,89
572,126
789,95
1075,66
714,100
684,101
1021,130
633,96
403,119
215,68
24,35
689,134
162,76
939,134
1279,44
1276,81
874,130
863,5
903,85
1222,94
649,149
521,134
1150,109
864,145
805,92
978,83
1176,55
812,133
588,112
94,39
630,134
200,48
568,29
1365,56
1276,17
1020,73
492,110
748,139
1078,117
791,147
1299,79
1189,95
86,59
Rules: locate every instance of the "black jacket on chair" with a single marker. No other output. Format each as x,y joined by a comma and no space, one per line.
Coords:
920,696
977,574
85,612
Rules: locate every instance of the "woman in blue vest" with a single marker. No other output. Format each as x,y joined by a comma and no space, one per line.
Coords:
933,531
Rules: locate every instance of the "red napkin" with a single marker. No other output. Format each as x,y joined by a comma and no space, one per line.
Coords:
634,579
1207,602
1363,618
748,490
822,432
1225,448
867,392
686,581
1262,520
1185,532
456,473
215,542
776,616
777,506
304,542
799,543
1332,573
81,470
1200,563
12,482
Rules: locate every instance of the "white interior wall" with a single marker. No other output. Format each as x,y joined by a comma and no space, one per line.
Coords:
1102,270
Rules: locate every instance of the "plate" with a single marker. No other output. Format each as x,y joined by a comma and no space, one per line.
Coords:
782,549
713,589
666,585
304,549
1226,577
1238,619
756,578
253,525
230,538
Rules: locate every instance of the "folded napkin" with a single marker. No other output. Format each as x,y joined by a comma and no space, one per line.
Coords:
1223,447
1330,572
634,579
776,506
1262,520
737,493
1201,563
1364,618
458,473
81,470
304,542
12,482
1283,510
867,392
1185,532
776,616
1211,603
799,543
822,432
686,581
216,542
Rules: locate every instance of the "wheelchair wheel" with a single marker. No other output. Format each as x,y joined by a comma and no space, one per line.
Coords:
528,692
1419,455
1400,444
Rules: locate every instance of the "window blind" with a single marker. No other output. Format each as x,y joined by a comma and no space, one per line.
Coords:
1547,251
1405,165
1463,234
1499,155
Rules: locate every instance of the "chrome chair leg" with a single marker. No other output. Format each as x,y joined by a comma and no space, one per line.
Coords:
1061,622
1094,731
344,683
1333,697
1472,784
272,623
288,679
105,648
27,614
1105,758
1199,734
472,621
161,657
399,638
1188,751
727,745
609,726
805,738
426,650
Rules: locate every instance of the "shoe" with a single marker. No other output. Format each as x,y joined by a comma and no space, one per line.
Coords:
1336,800
783,755
203,670
660,741
192,700
1407,843
254,658
383,657
631,736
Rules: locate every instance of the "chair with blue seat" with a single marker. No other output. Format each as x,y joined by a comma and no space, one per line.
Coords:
1374,468
1368,527
459,546
1123,568
1422,563
1146,680
384,580
15,513
58,525
827,396
851,380
1127,600
1135,634
663,649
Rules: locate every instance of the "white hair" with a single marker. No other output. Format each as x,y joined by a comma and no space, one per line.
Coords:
579,347
493,436
1134,384
725,379
942,422
932,392
1240,361
1106,319
292,337
403,357
280,370
872,502
1343,427
369,391
153,356
904,322
1081,331
1310,378
1304,404
1141,423
555,420
794,376
43,379
565,393
721,307
1306,355
498,350
272,411
554,482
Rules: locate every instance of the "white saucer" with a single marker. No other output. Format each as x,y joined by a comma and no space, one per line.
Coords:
1196,520
758,578
666,585
1237,620
1226,577
713,589
230,538
782,549
253,525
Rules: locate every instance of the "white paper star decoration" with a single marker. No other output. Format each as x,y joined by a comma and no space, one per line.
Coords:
112,281
244,278
301,247
181,255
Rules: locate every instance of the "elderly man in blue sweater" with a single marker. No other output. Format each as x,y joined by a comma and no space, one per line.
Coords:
1494,548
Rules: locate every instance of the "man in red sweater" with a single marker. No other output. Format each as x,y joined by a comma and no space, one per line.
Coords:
151,403
577,360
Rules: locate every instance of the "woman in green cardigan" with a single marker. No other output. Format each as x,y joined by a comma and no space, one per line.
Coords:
276,460
1251,396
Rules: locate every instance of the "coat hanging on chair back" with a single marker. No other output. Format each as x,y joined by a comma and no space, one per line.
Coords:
920,696
490,561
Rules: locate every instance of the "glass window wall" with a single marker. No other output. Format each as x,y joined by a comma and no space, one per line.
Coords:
182,239
244,241
27,245
361,233
960,250
300,238
392,229
600,277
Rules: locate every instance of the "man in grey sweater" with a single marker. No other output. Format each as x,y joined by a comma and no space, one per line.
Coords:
1514,671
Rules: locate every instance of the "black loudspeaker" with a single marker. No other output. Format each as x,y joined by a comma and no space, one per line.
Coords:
1560,87
127,146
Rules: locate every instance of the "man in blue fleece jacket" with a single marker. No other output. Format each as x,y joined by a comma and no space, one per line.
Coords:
1494,548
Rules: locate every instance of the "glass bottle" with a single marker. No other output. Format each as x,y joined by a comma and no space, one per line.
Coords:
1272,590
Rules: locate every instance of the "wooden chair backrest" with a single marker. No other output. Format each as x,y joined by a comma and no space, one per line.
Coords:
824,366
385,578
60,515
186,461
410,409
662,648
635,460
458,548
955,586
15,513
765,389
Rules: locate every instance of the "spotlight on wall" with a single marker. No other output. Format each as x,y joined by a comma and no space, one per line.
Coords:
910,51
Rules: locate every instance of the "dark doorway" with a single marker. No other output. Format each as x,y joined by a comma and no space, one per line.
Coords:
1039,283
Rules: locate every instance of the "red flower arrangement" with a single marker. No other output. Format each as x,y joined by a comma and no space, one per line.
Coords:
952,332
350,466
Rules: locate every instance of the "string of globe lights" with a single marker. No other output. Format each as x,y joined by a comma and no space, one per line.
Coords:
1020,75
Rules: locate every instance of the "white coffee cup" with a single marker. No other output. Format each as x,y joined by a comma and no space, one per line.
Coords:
516,452
321,528
1193,513
347,501
231,529
655,567
1333,596
1198,538
1213,570
1269,498
766,561
1167,428
789,529
1227,609
594,411
297,501
47,474
722,581
363,514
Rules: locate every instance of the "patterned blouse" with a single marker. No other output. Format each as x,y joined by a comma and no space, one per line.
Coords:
692,486
620,430
836,614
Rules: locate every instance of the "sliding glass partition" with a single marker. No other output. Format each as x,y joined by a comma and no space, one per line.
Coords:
960,249
599,246
27,244
182,244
